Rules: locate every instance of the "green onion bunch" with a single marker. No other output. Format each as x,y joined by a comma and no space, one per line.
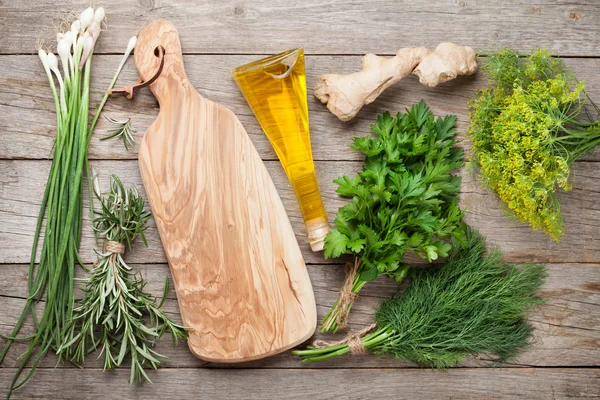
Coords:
62,204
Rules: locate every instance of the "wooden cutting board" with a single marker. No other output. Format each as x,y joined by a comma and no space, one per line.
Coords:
242,286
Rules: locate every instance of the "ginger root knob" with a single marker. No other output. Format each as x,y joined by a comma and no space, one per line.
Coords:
445,63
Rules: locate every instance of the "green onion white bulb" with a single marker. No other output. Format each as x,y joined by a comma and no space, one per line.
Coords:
86,18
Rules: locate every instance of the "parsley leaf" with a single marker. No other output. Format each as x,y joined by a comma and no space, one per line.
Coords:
335,244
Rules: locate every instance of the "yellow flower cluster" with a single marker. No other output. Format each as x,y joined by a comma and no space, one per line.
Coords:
521,139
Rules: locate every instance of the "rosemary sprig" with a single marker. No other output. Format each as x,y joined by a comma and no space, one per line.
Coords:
122,129
115,314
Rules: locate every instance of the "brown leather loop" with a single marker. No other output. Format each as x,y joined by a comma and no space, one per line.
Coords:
129,91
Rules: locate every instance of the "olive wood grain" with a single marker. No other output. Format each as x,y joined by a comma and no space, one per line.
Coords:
241,282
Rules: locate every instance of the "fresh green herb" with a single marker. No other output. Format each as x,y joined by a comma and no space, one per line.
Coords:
527,134
122,129
62,203
404,199
473,304
113,312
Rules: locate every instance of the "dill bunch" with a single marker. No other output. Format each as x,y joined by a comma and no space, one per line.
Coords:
527,133
115,314
474,304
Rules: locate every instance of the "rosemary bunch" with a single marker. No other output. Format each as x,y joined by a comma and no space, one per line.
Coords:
115,314
62,203
474,304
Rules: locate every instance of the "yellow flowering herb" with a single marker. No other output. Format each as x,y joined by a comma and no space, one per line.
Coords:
527,133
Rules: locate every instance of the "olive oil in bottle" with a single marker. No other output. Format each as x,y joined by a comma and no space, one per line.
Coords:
275,89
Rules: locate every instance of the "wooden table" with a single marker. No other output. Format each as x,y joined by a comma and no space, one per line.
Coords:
217,36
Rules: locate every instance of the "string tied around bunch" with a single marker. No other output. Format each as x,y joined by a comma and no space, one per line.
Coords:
353,341
346,297
110,246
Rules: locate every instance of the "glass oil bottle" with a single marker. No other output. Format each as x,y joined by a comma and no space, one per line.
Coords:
275,89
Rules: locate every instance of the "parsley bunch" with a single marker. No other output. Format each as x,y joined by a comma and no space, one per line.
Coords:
404,199
526,134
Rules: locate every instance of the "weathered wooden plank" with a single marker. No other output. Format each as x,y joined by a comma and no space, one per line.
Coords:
27,116
21,190
335,27
568,324
515,383
22,183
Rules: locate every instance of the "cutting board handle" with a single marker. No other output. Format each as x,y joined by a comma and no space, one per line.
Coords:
147,59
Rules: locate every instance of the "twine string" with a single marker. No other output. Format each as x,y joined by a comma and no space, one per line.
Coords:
111,246
353,341
346,297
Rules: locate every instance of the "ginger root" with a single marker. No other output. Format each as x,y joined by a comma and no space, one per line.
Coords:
346,94
445,63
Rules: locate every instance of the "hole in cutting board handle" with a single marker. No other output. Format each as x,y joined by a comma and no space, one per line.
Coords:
157,51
